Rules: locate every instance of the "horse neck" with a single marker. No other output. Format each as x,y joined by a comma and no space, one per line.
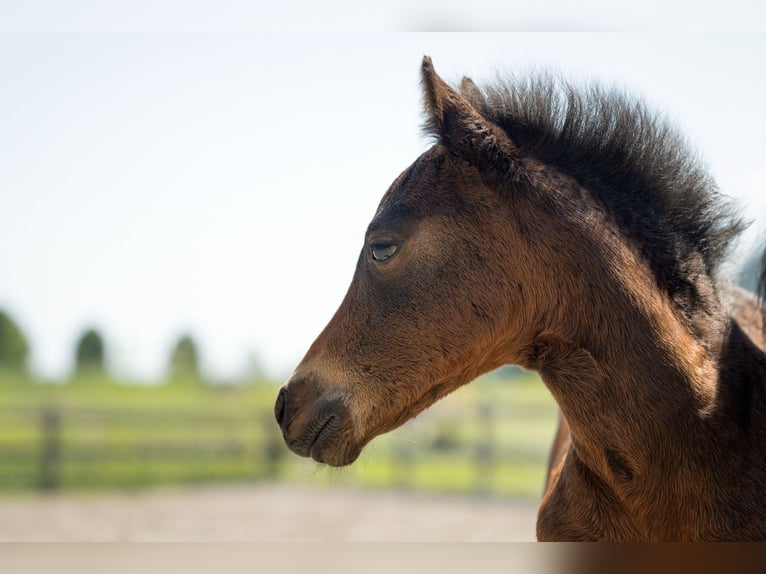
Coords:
622,360
639,372
659,393
640,388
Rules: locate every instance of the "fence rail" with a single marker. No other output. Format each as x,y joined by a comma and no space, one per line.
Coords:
56,447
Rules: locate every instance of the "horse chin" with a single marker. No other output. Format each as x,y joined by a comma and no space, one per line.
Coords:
335,457
333,447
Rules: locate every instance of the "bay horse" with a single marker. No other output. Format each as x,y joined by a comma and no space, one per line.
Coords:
571,232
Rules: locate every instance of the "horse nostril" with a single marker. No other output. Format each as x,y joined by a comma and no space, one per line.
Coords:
280,406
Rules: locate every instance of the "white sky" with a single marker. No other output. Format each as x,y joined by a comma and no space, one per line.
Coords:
221,183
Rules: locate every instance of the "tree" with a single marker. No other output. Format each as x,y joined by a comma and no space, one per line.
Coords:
184,360
750,272
253,371
13,345
90,353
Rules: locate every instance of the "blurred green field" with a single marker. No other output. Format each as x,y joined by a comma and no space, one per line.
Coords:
490,437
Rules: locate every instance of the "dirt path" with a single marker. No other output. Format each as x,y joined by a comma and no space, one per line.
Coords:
264,513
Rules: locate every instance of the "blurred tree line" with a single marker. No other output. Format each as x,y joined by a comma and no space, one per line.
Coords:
14,348
90,354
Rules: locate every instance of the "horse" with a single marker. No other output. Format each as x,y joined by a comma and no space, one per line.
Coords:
568,230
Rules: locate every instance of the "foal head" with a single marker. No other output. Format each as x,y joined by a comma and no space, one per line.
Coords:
475,250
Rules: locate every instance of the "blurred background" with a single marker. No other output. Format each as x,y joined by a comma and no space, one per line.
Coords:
180,215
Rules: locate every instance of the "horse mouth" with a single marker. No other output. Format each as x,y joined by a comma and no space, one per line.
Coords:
321,437
330,445
325,436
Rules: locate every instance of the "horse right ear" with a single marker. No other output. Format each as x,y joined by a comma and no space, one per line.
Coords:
462,129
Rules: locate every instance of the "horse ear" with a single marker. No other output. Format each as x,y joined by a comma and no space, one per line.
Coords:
469,90
462,129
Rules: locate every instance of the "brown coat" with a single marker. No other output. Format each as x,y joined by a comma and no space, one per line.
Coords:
573,234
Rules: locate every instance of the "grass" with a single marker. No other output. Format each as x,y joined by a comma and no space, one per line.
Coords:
489,437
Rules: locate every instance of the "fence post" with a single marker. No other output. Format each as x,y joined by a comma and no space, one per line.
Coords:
484,452
404,466
50,451
274,449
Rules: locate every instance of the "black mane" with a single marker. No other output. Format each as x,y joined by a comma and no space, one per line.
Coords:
632,161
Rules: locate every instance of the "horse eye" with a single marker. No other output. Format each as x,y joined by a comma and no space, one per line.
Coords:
383,251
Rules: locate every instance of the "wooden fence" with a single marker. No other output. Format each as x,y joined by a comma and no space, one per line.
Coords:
60,448
50,448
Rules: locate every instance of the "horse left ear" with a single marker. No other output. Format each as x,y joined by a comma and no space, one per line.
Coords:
462,129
